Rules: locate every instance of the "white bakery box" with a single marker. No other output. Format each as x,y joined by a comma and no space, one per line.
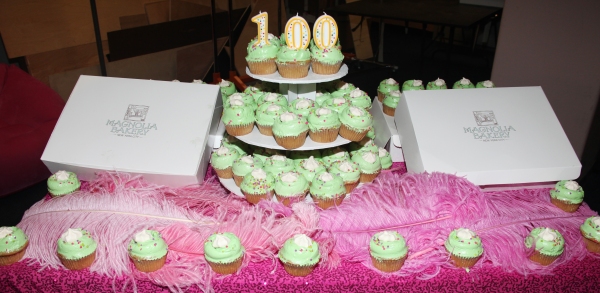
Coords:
162,130
386,134
493,137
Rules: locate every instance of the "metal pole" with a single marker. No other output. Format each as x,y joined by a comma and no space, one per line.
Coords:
214,34
98,37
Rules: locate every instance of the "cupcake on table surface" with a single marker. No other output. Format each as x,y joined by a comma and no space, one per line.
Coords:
298,156
224,253
390,102
63,182
148,251
486,84
349,171
438,84
293,60
546,245
388,251
335,154
222,160
567,195
323,125
244,165
413,85
321,97
257,185
290,187
359,98
13,243
327,190
369,165
463,84
227,88
356,122
262,54
277,164
272,98
302,106
385,158
76,249
385,87
590,230
290,130
266,115
336,104
238,118
299,255
310,167
465,247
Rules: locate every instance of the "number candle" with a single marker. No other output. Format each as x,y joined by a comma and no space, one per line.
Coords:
297,33
262,22
325,32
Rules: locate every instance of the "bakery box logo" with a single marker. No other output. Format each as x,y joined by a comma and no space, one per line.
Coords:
488,129
134,123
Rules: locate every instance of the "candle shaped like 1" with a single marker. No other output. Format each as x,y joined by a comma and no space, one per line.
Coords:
262,22
297,33
325,32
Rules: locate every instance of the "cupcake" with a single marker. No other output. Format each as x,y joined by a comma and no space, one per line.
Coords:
359,98
290,130
385,158
463,84
390,102
485,84
388,251
238,118
335,154
290,187
342,89
257,185
366,144
464,247
261,55
254,92
278,164
227,88
232,142
263,153
385,87
63,182
222,161
76,249
323,125
567,195
298,156
438,84
273,98
547,245
242,166
310,167
266,115
590,230
368,164
356,122
327,190
148,251
248,100
349,171
293,63
13,243
412,85
299,255
302,106
224,253
326,61
371,133
336,104
321,97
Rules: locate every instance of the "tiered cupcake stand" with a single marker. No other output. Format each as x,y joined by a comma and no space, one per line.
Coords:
291,88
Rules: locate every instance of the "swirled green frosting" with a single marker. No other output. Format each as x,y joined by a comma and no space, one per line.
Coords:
356,118
546,241
464,243
263,153
245,98
485,84
273,98
63,182
147,245
12,239
302,106
278,164
463,84
342,90
267,113
336,104
388,245
238,115
368,162
253,184
332,155
392,99
232,142
366,144
438,84
388,85
412,85
385,158
297,156
326,185
254,92
321,97
227,88
567,190
323,118
245,164
292,127
328,56
223,248
262,52
76,244
310,167
591,228
359,98
290,184
288,55
223,158
348,170
300,250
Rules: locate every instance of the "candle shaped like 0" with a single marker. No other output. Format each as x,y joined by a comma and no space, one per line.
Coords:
262,22
325,32
297,33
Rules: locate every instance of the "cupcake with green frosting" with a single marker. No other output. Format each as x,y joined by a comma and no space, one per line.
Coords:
238,118
545,245
278,164
412,85
326,61
63,182
263,153
486,84
336,104
321,97
366,144
356,122
227,88
463,84
222,161
590,230
76,249
335,154
293,63
148,251
327,190
438,84
567,195
349,171
323,125
245,98
266,115
298,156
224,253
257,185
290,187
262,54
390,102
388,251
290,130
359,98
386,86
244,165
310,167
369,165
273,98
342,89
299,255
232,142
253,92
385,158
13,243
465,247
302,106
